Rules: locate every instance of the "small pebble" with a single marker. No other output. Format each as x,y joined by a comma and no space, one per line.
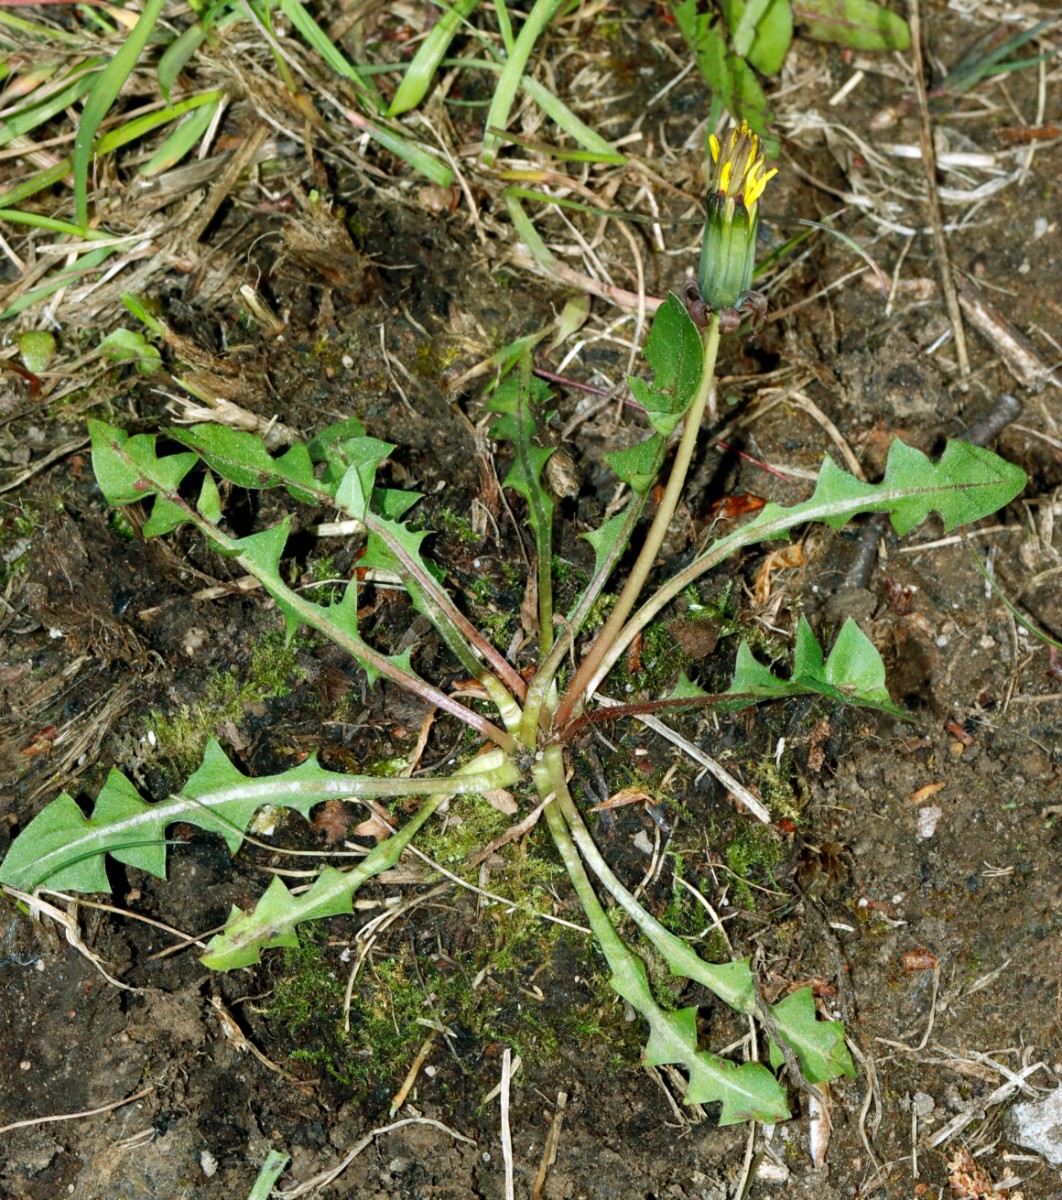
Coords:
927,821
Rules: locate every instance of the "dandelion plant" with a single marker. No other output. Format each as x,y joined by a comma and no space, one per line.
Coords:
537,709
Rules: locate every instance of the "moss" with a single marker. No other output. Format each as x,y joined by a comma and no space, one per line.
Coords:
456,527
432,359
661,658
16,543
486,993
775,780
752,854
182,735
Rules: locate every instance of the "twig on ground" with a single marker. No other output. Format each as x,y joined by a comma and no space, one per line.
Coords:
936,216
1001,1094
234,168
39,907
549,1151
518,1062
35,468
832,432
744,1182
400,1096
1015,350
732,784
89,1112
187,939
231,1029
506,1133
510,904
873,1096
316,1182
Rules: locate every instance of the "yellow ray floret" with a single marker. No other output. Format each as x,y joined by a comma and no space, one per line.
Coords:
738,170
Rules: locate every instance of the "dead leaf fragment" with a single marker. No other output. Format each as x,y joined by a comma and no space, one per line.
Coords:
778,560
923,793
502,801
970,1181
374,827
331,819
627,795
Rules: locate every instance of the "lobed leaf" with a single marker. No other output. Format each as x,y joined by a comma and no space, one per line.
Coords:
748,1092
274,920
966,484
65,850
242,459
355,489
819,1045
129,469
853,673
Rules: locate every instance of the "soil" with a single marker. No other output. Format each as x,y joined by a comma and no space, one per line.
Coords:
911,874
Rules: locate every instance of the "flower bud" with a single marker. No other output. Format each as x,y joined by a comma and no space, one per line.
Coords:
728,251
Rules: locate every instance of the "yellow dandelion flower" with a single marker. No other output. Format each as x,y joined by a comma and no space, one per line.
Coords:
728,250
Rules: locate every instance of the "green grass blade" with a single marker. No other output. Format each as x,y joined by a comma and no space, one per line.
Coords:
505,25
319,40
275,1163
527,232
421,71
179,52
562,115
34,184
591,210
1005,600
418,158
599,149
87,262
181,141
43,32
102,96
36,112
537,21
52,224
132,130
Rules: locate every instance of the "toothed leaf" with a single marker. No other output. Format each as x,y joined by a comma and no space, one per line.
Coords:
818,1045
356,487
861,24
242,459
209,502
853,673
685,688
968,483
746,1092
274,920
128,469
64,849
637,466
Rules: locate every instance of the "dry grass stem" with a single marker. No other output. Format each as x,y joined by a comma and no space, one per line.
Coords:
936,217
733,785
549,1151
77,1116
